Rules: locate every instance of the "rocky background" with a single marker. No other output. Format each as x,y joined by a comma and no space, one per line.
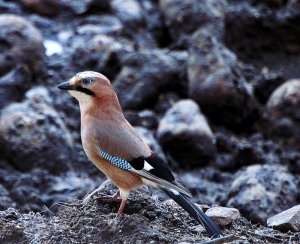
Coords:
210,85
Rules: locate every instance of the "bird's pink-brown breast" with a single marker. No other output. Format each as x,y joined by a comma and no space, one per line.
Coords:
94,137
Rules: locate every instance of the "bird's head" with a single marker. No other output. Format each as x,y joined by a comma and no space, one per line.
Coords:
88,85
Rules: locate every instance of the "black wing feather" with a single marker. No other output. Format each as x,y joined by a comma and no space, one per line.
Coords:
158,172
160,169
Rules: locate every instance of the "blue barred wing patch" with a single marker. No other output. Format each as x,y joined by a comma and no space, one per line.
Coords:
119,162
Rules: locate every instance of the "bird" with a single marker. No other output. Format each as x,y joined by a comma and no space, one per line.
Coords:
115,148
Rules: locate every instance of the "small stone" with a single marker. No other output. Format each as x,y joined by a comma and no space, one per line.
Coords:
223,215
286,220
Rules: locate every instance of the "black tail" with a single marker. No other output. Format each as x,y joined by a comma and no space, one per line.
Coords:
211,227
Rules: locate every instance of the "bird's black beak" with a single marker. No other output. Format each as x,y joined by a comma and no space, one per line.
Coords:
66,86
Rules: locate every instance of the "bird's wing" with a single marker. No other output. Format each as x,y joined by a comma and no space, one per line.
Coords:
151,168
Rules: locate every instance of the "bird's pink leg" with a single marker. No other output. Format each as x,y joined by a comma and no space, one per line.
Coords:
121,208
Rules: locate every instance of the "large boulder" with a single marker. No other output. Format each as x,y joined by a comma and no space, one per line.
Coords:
14,84
217,84
184,17
132,15
144,75
271,39
260,191
101,53
20,44
282,112
32,135
185,134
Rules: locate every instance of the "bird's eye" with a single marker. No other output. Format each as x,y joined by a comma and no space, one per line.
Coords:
87,81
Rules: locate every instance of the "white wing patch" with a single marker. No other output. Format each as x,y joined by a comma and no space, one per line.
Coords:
174,191
147,166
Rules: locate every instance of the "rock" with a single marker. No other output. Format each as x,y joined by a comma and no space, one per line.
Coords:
286,220
145,118
165,101
131,14
206,184
80,7
43,7
20,44
267,41
282,112
222,215
183,18
149,139
96,224
53,47
99,53
146,74
185,134
32,135
13,85
144,221
217,84
153,18
5,200
34,190
10,7
107,25
11,233
259,191
237,151
265,84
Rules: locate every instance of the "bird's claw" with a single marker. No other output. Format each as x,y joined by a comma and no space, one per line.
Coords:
109,198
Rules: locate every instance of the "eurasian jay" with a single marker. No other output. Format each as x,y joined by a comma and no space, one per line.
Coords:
112,144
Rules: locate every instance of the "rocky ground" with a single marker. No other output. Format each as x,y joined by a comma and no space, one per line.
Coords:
210,85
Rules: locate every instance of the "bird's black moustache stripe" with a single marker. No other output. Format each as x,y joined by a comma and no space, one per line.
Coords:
85,90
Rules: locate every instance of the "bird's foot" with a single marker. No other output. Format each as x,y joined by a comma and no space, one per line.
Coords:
118,219
109,198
